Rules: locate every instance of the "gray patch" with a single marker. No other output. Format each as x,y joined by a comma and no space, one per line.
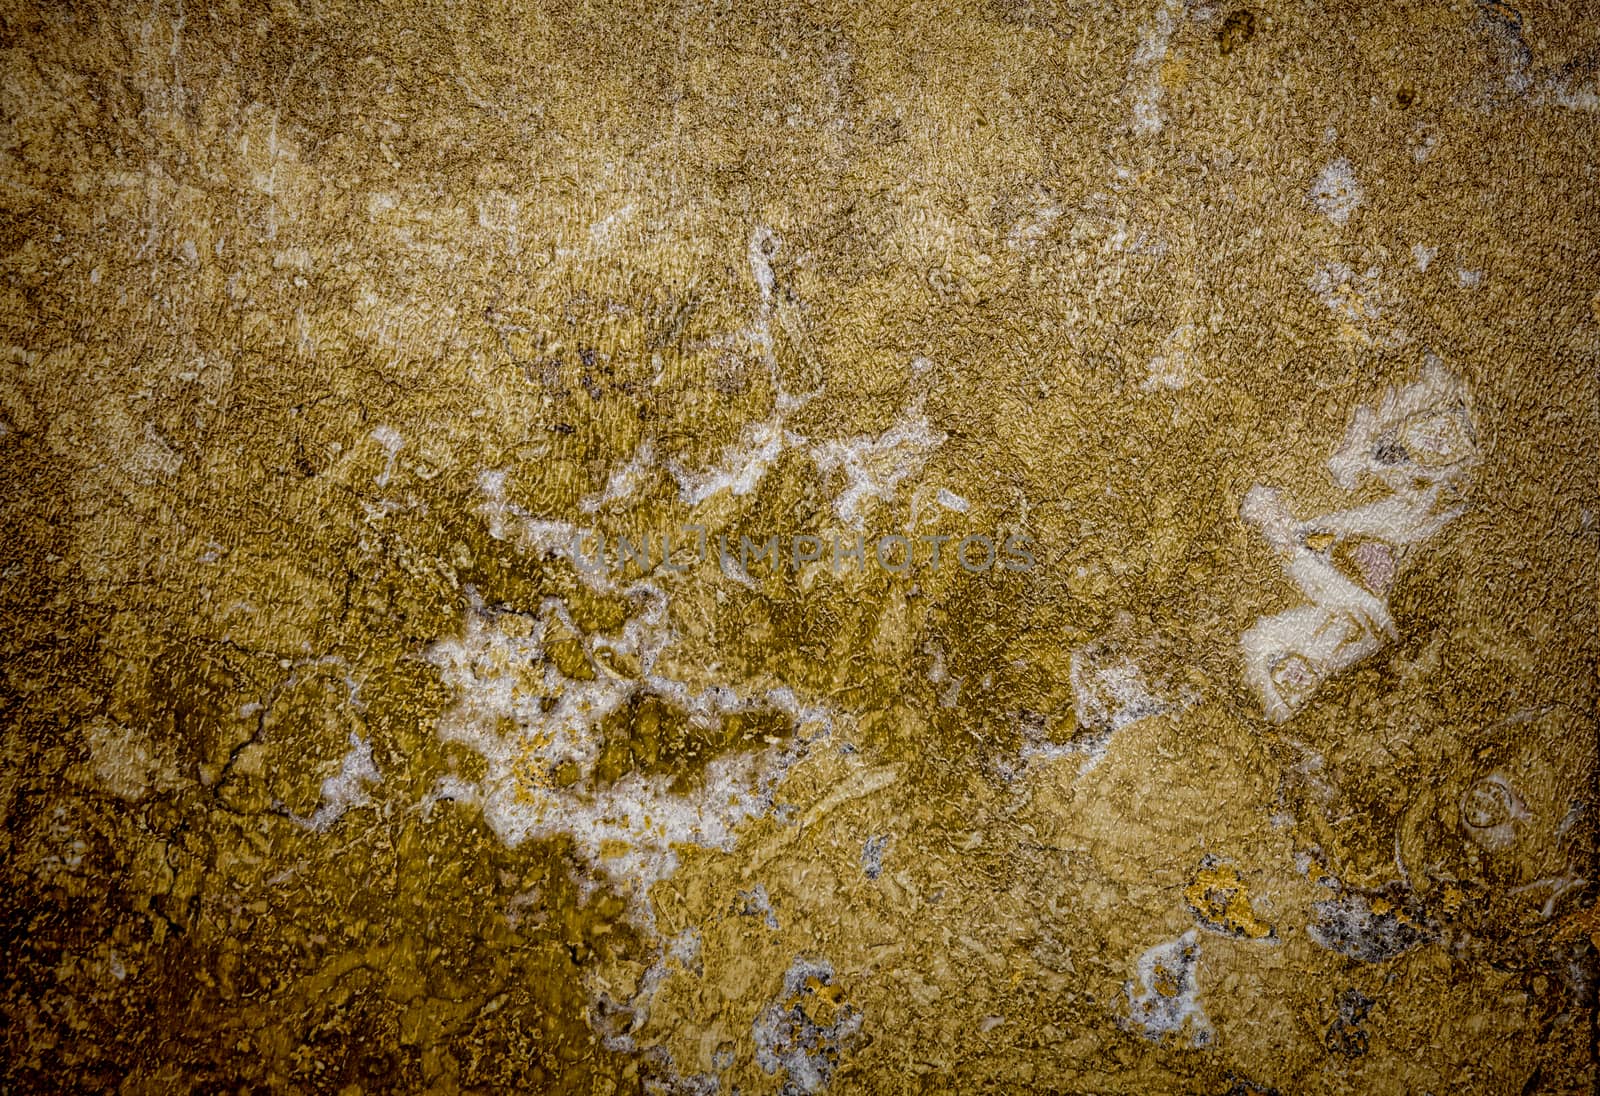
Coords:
1243,1086
662,1079
1164,1000
872,855
1349,925
1345,1035
755,902
788,1037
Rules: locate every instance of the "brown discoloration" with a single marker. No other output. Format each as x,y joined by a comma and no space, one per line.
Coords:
1238,27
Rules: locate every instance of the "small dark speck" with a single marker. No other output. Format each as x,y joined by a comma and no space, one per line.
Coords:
1405,97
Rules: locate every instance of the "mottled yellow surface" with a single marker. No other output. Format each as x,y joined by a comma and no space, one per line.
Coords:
326,768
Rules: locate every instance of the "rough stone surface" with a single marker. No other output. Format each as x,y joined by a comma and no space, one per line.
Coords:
350,347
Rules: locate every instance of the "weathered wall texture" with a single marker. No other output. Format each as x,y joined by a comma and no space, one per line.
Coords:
330,766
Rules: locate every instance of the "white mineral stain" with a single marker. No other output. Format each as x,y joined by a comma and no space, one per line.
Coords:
874,466
391,441
1420,443
128,761
1027,232
498,212
1346,293
528,719
346,789
1173,367
743,465
1357,300
949,687
624,482
1579,98
1110,691
152,458
1164,998
1336,193
1423,145
1146,69
578,545
604,232
616,1021
789,1037
1111,694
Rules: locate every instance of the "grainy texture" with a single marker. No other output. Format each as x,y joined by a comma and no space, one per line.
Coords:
337,335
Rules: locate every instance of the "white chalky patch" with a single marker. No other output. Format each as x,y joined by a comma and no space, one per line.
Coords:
875,466
949,687
391,441
1173,367
498,213
1357,300
1336,193
1111,694
604,232
1352,925
1038,747
757,902
527,718
1577,98
1422,256
764,243
1420,443
743,464
1146,69
617,1022
1350,295
1026,233
1110,691
507,521
790,1035
1164,997
625,482
153,457
346,789
128,761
